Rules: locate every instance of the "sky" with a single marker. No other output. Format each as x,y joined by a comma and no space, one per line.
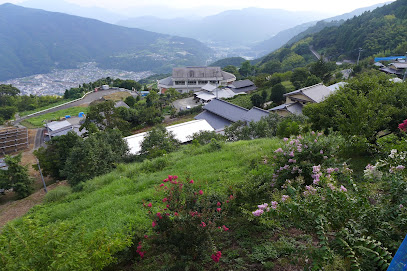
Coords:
214,6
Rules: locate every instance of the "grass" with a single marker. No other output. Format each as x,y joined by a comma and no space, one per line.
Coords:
25,113
114,201
37,122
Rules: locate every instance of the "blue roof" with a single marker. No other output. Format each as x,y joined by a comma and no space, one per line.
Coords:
389,58
255,114
215,121
226,110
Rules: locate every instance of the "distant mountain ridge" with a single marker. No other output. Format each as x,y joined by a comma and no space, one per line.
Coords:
298,32
232,27
34,41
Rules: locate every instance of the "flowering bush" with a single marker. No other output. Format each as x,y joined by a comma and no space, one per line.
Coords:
186,226
302,155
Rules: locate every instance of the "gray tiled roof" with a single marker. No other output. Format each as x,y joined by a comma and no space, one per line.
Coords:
255,114
121,104
242,83
317,92
214,120
166,81
245,89
226,110
228,76
295,108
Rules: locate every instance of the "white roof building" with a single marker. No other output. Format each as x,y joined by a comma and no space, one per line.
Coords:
188,79
182,132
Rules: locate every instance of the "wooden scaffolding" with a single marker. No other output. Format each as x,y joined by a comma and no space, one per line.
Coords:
13,140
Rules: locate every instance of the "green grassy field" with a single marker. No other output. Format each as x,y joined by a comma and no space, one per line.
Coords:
25,113
37,122
114,201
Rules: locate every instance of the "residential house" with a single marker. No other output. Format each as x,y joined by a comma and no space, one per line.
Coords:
295,100
242,86
188,79
219,114
210,92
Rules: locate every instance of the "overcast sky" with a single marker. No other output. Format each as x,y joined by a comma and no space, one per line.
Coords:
324,6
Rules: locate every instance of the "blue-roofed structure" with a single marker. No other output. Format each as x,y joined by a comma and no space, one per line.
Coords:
389,58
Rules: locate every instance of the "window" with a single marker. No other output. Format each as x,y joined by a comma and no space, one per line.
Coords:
191,74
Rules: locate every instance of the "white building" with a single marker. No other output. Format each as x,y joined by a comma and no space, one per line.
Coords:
188,79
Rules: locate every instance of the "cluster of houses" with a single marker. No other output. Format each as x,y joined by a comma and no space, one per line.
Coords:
397,65
210,85
219,113
207,83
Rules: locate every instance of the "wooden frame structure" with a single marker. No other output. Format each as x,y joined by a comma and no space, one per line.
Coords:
13,140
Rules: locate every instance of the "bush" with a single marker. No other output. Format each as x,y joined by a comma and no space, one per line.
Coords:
187,226
57,194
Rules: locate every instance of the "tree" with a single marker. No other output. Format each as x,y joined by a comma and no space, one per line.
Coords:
53,158
271,67
233,70
105,116
246,69
321,69
16,177
96,155
368,107
7,91
130,101
264,95
299,77
257,100
312,80
158,141
277,93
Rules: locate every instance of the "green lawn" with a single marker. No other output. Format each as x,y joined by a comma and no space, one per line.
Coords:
40,120
25,113
114,201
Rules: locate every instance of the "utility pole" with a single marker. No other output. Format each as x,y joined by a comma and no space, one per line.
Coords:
42,177
360,50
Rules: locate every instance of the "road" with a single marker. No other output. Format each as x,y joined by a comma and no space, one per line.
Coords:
86,100
318,56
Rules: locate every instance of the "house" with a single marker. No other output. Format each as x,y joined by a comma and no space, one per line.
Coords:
188,79
182,132
219,114
210,92
121,104
396,68
242,86
295,100
287,109
57,128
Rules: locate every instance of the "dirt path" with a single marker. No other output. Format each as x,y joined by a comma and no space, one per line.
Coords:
18,208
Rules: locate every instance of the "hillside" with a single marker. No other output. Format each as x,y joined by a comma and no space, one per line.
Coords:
380,31
35,41
234,61
232,27
298,32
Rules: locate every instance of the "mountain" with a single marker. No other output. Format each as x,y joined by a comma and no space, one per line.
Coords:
298,32
72,9
34,41
234,61
381,31
231,28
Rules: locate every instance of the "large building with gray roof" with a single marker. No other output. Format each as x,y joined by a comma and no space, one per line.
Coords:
188,79
219,114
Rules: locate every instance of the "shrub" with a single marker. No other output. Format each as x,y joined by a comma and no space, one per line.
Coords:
57,194
186,227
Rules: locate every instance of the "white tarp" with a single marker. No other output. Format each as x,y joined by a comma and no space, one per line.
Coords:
182,132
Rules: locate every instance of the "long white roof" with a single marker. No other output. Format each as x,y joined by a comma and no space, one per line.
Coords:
182,132
56,125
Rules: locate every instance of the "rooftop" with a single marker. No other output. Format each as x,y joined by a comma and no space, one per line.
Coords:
56,125
226,110
317,92
183,132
